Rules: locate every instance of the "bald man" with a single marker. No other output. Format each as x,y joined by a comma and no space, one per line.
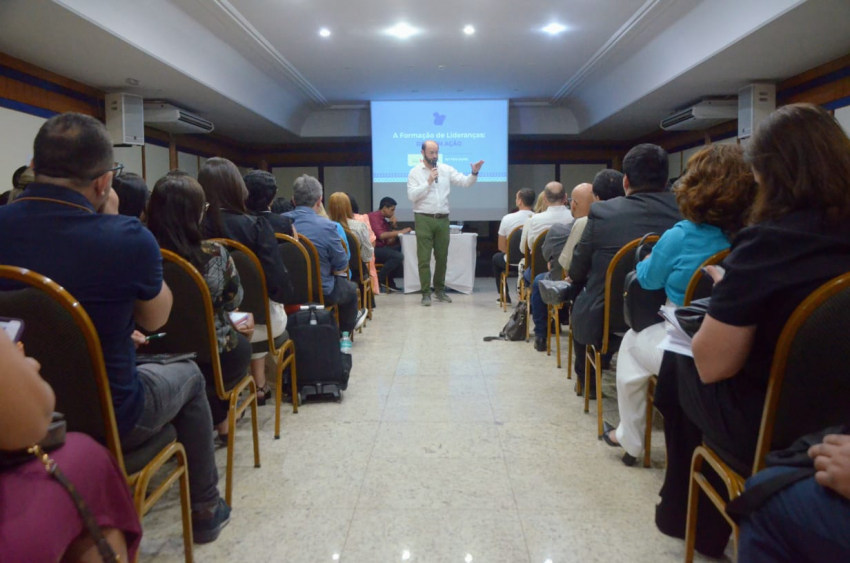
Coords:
428,187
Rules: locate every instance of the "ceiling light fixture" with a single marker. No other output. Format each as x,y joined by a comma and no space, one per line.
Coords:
325,32
554,28
469,30
402,31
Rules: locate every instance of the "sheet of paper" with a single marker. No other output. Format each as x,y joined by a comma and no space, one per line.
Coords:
677,340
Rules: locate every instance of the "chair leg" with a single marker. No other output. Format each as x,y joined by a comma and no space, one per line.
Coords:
570,354
231,435
588,352
185,506
548,330
693,502
558,334
502,302
255,425
528,313
278,396
598,392
647,437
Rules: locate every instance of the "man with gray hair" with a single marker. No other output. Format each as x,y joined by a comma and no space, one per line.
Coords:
333,262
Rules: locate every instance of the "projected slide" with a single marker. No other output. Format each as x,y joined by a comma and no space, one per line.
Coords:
467,131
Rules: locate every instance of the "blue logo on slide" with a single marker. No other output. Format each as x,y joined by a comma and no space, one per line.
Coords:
439,118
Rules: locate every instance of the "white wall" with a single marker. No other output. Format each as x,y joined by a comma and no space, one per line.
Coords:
575,174
17,132
131,158
842,115
156,163
356,181
534,176
286,175
188,163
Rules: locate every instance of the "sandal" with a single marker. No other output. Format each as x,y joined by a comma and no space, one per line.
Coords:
267,393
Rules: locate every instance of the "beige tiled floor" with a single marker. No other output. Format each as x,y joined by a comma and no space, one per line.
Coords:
445,448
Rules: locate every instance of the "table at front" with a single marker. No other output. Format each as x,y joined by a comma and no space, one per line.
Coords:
460,267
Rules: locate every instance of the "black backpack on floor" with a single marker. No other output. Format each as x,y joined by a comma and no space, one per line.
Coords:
320,364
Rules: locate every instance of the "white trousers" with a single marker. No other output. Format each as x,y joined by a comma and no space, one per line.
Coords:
639,357
278,318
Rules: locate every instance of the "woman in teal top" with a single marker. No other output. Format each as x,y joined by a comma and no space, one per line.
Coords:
714,196
677,255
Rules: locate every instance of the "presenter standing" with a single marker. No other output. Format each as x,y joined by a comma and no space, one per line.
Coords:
428,187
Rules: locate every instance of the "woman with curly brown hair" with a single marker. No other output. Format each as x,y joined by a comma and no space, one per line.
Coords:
714,196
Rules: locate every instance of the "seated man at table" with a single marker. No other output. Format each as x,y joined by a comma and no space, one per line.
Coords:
387,245
333,260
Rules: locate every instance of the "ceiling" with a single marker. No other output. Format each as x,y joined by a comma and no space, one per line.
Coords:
260,71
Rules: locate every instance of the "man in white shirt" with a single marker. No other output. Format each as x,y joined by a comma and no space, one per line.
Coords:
430,197
524,201
557,212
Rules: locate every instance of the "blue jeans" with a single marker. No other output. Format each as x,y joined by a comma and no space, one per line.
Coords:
802,523
538,307
176,393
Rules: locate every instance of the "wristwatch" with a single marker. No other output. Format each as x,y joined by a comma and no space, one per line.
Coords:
475,173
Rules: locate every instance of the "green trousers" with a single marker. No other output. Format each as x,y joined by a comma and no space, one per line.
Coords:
432,234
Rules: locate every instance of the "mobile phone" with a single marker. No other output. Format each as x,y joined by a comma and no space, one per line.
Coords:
238,318
14,328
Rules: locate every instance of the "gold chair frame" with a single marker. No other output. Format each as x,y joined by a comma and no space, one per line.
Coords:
139,481
735,482
235,408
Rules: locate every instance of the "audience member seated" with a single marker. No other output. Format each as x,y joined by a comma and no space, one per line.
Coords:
373,272
714,196
607,184
113,266
806,522
555,212
24,179
39,520
559,233
579,208
388,246
322,212
647,207
174,216
541,204
524,201
133,195
333,260
262,188
799,238
339,211
16,176
281,205
227,217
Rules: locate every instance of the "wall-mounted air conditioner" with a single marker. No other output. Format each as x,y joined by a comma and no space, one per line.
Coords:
702,115
169,118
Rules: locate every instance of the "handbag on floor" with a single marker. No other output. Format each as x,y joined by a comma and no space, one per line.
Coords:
515,328
54,439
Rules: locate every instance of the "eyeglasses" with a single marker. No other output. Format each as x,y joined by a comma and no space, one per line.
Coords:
116,170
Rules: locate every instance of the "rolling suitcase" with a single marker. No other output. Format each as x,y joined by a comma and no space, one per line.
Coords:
321,366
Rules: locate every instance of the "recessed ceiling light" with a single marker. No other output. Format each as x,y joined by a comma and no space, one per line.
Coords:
325,32
554,28
132,81
469,30
402,31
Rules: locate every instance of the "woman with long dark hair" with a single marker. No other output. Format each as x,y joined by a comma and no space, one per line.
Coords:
175,213
228,217
798,239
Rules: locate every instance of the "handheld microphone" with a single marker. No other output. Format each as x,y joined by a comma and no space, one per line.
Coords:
434,164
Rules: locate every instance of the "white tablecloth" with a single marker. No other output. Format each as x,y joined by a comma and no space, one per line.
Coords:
460,267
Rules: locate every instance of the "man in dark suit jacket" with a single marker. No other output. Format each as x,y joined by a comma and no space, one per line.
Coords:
647,208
